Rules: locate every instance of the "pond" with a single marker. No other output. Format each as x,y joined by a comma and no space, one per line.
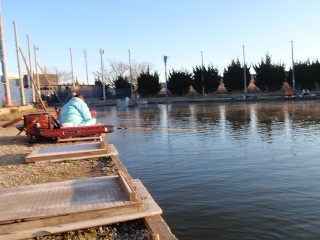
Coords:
254,173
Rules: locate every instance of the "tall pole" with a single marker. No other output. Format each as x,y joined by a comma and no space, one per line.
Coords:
244,72
23,97
293,80
30,72
36,66
130,75
165,72
3,59
72,75
40,100
85,57
102,74
202,74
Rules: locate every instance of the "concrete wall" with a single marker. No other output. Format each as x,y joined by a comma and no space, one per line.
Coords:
15,92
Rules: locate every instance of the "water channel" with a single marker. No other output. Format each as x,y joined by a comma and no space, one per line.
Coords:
253,174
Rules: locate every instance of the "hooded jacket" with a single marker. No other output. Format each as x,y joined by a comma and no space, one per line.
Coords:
76,112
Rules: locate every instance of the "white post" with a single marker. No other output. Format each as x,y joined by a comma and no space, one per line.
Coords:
165,72
4,62
85,57
202,74
23,97
30,72
72,75
244,73
293,79
102,75
36,65
130,75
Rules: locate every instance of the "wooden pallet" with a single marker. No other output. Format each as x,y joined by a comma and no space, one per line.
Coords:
72,152
38,218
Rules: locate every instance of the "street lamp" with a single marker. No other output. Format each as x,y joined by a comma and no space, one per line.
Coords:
36,66
293,80
202,74
102,75
165,72
244,73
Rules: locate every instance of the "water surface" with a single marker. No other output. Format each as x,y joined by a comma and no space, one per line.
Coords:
253,174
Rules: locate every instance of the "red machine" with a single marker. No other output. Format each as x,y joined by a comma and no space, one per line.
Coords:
43,125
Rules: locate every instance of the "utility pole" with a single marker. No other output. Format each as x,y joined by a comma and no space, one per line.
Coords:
130,75
23,97
3,59
165,72
102,75
73,83
293,79
30,72
85,57
36,65
244,72
202,74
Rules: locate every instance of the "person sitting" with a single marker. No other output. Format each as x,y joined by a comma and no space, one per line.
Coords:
76,113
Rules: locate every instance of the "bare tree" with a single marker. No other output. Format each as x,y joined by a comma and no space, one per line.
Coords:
122,69
64,77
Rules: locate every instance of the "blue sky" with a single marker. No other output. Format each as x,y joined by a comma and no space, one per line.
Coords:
180,29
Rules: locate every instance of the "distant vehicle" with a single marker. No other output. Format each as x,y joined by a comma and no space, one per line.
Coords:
306,94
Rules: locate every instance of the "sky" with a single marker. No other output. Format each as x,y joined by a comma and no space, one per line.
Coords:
189,32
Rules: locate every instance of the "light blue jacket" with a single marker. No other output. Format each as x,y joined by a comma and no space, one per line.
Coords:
77,112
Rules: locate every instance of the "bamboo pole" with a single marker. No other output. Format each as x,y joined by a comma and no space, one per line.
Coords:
125,127
45,76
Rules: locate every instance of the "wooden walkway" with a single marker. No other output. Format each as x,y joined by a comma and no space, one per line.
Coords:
50,208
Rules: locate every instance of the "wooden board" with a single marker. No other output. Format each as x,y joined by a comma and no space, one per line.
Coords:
72,152
78,139
64,221
156,225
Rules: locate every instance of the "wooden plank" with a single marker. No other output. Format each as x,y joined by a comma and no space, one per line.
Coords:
118,163
78,139
157,226
126,185
66,223
70,152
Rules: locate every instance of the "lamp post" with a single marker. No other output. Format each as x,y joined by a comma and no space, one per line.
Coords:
23,98
131,84
244,73
36,66
72,75
31,79
165,72
293,80
202,74
102,75
85,58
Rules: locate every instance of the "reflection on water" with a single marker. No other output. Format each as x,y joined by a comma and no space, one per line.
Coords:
254,174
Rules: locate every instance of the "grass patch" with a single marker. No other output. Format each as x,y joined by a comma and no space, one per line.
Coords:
15,113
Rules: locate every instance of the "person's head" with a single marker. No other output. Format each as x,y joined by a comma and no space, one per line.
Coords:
81,96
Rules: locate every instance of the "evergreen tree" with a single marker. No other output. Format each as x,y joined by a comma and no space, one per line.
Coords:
122,82
233,76
148,84
209,78
270,76
179,82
